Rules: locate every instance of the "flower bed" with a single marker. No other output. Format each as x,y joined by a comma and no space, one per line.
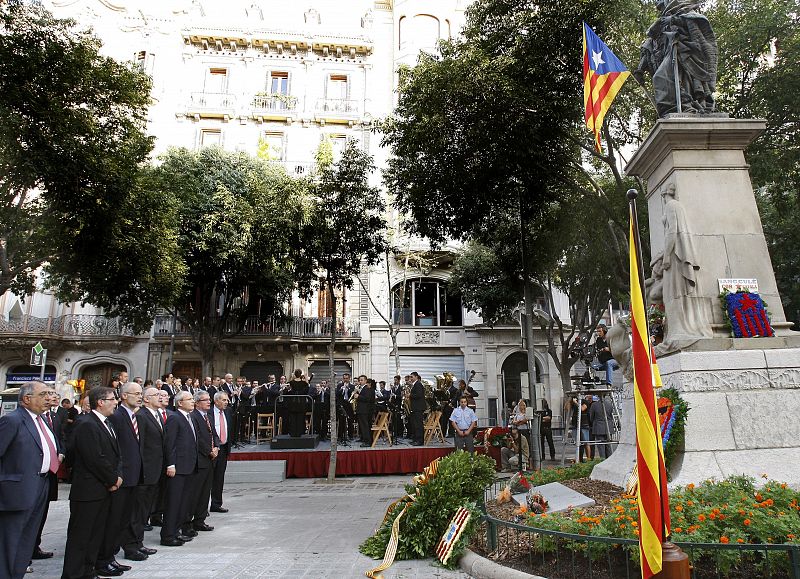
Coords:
728,513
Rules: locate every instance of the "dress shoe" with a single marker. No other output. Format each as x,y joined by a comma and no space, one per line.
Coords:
218,510
148,551
136,556
184,537
29,569
148,528
108,571
173,542
203,527
120,566
190,532
156,521
39,554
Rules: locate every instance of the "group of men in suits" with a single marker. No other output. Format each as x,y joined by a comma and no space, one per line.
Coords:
134,463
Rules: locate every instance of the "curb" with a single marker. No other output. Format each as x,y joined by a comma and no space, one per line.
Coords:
482,568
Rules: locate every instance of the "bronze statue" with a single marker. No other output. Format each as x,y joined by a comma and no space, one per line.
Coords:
680,45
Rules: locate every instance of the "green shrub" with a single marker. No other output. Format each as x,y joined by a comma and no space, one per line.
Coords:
461,480
557,474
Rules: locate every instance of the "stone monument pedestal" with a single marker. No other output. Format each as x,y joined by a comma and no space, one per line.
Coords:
743,396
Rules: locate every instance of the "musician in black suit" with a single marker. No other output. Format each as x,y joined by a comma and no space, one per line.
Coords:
207,451
321,394
344,409
296,407
221,422
159,405
170,390
151,445
55,421
126,426
97,474
28,452
396,407
418,407
365,409
180,447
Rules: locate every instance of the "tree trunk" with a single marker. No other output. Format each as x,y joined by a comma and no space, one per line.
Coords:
535,434
393,334
334,429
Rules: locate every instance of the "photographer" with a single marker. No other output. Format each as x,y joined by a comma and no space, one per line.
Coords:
605,360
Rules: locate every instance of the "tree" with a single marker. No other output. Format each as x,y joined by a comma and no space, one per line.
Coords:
72,141
238,221
344,232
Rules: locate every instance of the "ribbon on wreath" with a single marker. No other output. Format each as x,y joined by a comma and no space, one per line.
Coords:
423,478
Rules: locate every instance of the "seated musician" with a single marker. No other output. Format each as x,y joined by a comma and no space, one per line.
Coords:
468,392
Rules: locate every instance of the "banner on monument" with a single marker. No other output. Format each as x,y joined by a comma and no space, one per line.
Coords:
734,284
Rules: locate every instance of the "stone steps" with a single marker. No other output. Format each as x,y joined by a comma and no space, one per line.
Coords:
255,471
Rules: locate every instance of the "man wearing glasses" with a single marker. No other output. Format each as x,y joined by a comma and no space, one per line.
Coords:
97,468
28,452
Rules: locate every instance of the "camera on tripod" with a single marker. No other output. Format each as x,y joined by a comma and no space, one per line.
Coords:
581,348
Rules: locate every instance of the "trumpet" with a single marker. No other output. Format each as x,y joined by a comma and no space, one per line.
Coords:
407,399
354,397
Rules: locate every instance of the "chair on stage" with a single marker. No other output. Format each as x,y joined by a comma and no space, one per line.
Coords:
381,428
265,423
432,427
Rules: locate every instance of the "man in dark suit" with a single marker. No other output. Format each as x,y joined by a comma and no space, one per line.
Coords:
28,452
207,451
159,404
221,422
126,426
151,445
418,407
344,390
365,409
322,408
55,422
170,390
97,472
180,445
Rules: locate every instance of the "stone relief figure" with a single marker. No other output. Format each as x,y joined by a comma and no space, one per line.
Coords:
618,337
654,285
680,43
685,315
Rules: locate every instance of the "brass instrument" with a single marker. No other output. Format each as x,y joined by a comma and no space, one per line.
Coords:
354,397
407,399
429,397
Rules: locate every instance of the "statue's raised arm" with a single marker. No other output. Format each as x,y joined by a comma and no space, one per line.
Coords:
680,46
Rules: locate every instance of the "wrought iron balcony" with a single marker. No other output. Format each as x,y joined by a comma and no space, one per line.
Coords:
290,327
347,107
67,326
271,102
212,104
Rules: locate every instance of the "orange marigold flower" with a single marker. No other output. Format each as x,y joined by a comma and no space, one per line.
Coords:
690,486
622,526
790,536
636,532
769,502
701,518
724,539
759,498
741,512
721,517
634,524
690,503
740,540
677,530
712,515
783,485
747,522
679,508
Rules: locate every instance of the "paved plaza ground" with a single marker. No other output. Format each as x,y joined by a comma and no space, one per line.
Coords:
296,528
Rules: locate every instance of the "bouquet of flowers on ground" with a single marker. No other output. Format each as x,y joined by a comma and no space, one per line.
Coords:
537,504
495,436
518,484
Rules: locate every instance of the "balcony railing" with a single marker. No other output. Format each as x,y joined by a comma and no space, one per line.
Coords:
273,102
340,106
212,101
290,327
69,325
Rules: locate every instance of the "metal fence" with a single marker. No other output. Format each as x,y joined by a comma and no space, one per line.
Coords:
558,555
289,326
68,325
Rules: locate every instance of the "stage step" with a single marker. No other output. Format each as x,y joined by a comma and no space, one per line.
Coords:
255,471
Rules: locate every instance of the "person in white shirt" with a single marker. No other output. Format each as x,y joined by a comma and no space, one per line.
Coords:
464,422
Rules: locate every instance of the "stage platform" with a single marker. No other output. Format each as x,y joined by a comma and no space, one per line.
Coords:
351,460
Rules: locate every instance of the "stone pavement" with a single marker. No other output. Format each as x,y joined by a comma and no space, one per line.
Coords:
296,528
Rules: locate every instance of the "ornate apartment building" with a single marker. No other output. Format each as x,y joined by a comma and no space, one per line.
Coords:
280,76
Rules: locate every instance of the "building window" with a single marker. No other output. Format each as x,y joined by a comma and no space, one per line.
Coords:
278,83
337,87
272,146
216,80
144,61
338,143
426,32
426,302
210,137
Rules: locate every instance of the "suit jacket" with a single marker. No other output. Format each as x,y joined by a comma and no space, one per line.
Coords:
366,401
212,418
180,444
21,457
206,438
418,403
151,442
171,391
129,447
97,461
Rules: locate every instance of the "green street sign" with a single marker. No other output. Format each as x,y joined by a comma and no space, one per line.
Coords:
38,348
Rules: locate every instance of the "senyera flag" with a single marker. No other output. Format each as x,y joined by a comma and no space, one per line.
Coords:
603,76
654,524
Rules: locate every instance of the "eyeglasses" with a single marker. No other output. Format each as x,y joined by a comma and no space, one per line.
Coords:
108,399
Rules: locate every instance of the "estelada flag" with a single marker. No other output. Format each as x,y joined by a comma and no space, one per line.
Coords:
652,497
603,76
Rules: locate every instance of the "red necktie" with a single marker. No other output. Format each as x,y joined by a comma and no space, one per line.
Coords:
163,417
54,464
135,426
223,434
